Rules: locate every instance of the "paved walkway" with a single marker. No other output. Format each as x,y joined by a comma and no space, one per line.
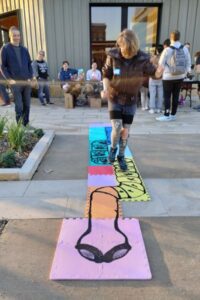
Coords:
76,121
167,155
67,198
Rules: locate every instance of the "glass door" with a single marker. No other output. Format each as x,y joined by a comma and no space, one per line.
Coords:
108,21
144,21
105,27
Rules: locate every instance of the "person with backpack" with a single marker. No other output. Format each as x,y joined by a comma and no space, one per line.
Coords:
175,63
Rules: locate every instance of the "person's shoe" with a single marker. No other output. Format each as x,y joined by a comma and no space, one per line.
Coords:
158,111
44,104
122,163
164,118
196,107
50,102
172,117
112,154
151,111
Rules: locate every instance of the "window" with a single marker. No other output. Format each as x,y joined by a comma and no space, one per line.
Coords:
144,21
108,21
104,31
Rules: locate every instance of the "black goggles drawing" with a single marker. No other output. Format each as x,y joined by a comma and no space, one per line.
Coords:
92,253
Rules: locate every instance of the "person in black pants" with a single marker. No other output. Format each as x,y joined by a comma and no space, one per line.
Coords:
172,80
17,70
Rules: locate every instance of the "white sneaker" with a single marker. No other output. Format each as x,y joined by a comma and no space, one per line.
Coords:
158,111
164,118
151,111
143,108
172,117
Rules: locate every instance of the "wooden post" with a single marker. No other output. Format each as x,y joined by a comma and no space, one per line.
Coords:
95,102
69,101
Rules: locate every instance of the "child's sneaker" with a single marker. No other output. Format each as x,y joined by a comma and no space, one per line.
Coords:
122,163
112,154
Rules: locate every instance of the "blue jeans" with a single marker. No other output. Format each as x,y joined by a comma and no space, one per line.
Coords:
4,94
22,99
43,89
156,94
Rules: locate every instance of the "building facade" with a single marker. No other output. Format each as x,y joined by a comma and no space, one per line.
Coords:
82,30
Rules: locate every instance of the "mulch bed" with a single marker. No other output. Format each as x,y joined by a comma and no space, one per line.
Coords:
20,157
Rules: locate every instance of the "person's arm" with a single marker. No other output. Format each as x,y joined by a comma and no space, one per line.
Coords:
151,70
163,58
35,69
3,63
107,72
99,75
162,62
188,60
29,65
88,75
61,75
47,70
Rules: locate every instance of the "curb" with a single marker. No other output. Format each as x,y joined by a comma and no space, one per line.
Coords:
32,162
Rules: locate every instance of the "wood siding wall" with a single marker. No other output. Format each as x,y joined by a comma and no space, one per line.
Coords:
31,22
61,27
67,27
68,30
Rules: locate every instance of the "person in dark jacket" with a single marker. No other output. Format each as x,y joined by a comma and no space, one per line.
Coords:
17,70
40,72
67,73
123,75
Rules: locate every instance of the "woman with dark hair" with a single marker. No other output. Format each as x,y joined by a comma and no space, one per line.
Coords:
123,75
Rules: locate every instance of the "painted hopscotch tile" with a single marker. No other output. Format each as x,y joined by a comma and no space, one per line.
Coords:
102,202
101,170
130,184
100,250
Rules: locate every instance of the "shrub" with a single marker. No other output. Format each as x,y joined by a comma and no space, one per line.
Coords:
3,121
7,159
38,132
16,136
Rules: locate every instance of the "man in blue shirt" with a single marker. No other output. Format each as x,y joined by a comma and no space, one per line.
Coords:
67,73
17,70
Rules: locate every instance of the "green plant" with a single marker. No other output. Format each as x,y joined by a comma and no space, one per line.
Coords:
7,159
3,121
17,136
39,132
